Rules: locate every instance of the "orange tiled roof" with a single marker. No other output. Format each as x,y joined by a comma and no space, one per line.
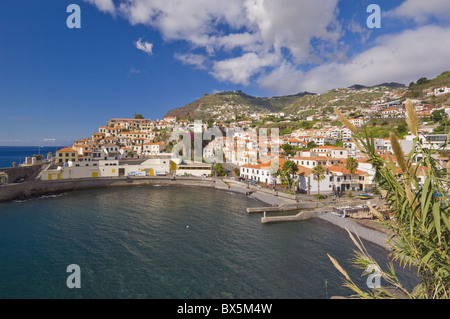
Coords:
66,149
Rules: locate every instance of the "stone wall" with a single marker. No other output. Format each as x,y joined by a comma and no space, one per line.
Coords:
38,188
26,172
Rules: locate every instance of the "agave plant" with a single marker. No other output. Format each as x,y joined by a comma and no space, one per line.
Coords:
421,213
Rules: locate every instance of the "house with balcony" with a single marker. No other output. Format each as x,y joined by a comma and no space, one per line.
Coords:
358,181
153,148
330,151
313,161
111,151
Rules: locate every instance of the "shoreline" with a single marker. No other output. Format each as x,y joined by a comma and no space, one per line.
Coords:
369,230
30,189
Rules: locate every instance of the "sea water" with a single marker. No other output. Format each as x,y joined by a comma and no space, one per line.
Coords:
169,242
10,154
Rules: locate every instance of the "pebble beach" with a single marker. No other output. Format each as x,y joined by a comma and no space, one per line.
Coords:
369,230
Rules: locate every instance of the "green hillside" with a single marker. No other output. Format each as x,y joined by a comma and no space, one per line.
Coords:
234,102
231,105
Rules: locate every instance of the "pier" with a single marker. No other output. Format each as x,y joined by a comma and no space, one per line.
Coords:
280,208
297,217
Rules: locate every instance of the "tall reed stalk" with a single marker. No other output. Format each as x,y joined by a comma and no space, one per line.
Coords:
421,218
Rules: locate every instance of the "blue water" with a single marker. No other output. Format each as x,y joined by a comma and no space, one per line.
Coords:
168,243
10,154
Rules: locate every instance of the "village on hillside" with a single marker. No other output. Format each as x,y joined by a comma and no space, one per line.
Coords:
138,147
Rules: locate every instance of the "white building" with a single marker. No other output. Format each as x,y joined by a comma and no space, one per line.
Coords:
442,90
195,169
262,172
330,151
152,148
311,162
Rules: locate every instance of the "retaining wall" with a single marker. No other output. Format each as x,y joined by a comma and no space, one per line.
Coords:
37,188
25,172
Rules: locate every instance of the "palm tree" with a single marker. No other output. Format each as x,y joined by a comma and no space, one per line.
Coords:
275,176
319,174
351,165
288,170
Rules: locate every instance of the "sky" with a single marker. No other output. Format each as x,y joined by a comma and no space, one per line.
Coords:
59,83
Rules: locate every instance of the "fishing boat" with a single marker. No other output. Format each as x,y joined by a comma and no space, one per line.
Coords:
365,196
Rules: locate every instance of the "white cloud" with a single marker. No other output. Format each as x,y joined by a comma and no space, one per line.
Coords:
268,41
399,58
356,28
103,5
133,70
147,47
259,32
421,11
239,70
284,79
195,60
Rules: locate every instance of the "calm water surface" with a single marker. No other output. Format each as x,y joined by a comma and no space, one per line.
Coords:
10,154
167,242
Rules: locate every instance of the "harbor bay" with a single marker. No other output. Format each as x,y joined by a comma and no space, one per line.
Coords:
168,242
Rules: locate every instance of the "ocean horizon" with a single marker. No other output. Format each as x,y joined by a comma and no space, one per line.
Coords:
10,154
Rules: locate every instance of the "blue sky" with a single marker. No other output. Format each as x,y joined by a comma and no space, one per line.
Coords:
149,56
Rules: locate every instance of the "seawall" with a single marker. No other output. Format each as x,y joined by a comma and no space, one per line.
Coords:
37,188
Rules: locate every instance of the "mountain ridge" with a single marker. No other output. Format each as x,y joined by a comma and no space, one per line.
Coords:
232,105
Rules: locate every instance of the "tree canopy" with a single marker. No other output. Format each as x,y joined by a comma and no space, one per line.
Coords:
288,171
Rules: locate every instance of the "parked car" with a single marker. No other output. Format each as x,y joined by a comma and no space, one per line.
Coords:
19,180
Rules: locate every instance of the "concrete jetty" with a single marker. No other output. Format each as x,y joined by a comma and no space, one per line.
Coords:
297,217
280,208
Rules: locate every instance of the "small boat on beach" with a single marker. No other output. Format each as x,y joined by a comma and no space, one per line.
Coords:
365,196
340,211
